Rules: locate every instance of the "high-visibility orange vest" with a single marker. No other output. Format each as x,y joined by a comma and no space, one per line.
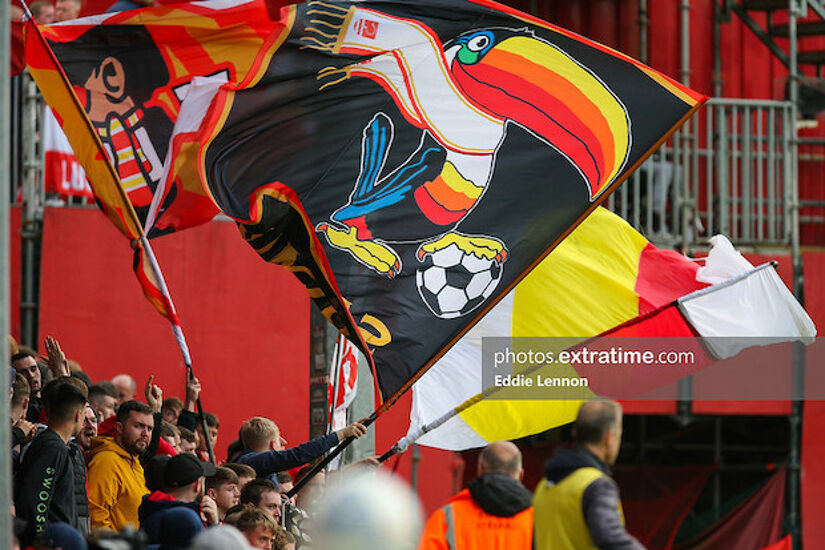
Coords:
461,524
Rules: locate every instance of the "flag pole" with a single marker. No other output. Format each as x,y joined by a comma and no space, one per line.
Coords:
321,465
6,482
336,359
180,338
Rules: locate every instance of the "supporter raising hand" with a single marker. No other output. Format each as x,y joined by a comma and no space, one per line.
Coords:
154,395
57,359
193,391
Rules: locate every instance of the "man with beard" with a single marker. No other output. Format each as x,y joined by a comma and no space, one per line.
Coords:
26,365
116,479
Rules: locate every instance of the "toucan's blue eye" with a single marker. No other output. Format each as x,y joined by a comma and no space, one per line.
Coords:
474,47
478,43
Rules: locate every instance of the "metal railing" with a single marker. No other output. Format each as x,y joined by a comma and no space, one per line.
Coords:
732,169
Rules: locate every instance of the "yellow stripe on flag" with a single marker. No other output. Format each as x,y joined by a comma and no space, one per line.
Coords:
585,286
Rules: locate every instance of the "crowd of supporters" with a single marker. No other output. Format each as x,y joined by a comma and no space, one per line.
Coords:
93,462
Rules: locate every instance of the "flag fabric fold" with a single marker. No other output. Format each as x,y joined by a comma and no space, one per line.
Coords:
115,83
104,180
131,72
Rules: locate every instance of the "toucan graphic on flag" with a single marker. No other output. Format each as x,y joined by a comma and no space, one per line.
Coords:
463,95
411,161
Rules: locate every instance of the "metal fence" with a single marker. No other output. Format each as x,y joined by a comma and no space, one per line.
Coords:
732,169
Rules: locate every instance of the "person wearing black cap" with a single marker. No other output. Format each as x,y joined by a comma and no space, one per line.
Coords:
183,480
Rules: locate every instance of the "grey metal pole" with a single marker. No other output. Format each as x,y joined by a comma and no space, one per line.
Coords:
796,9
32,230
5,170
684,71
416,459
685,386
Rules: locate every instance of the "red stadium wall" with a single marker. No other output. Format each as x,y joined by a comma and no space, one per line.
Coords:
813,415
246,321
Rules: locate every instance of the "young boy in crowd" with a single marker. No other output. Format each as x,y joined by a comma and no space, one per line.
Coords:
223,489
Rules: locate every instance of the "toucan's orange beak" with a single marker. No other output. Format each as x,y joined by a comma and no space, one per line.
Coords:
538,86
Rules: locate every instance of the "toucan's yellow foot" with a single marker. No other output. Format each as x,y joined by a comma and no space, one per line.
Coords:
481,247
375,255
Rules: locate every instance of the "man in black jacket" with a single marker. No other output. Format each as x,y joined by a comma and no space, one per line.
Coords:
77,446
184,476
45,484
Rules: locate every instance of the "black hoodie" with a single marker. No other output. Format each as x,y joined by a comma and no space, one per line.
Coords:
500,495
45,481
600,501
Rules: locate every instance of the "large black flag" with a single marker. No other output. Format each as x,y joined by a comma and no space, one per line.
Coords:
411,161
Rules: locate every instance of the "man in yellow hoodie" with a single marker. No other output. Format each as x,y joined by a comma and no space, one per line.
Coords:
116,481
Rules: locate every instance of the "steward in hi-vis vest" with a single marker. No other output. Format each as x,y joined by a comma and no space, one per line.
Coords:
576,506
493,512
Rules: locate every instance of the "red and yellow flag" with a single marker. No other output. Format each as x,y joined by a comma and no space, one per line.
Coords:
116,82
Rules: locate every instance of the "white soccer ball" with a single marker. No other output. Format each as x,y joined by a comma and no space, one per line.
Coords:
453,283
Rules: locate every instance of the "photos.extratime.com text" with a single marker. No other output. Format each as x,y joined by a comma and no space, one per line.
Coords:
583,356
